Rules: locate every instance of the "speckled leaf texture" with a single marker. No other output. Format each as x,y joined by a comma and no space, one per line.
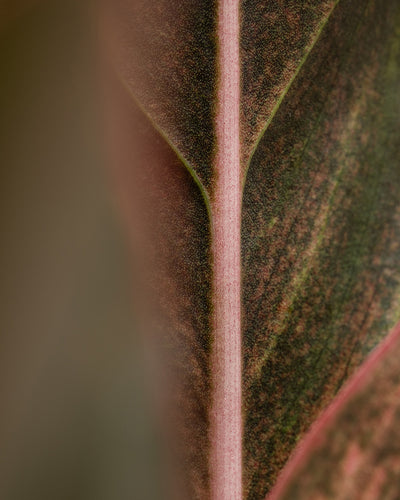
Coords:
320,220
320,232
353,450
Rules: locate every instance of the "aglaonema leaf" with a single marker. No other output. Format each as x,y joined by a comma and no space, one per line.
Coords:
320,231
352,451
271,156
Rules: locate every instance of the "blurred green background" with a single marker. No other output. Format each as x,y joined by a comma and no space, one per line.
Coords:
75,418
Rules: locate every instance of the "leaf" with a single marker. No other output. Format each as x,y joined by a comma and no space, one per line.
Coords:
320,232
181,276
352,451
318,174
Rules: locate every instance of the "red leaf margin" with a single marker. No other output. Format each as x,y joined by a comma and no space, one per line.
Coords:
315,438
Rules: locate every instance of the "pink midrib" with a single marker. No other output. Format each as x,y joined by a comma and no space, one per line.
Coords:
226,412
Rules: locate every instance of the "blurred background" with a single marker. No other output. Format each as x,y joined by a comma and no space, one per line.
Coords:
75,414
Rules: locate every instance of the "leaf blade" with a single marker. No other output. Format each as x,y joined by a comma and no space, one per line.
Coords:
320,236
277,40
313,172
166,54
352,449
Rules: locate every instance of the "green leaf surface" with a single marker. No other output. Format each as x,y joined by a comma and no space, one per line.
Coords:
320,233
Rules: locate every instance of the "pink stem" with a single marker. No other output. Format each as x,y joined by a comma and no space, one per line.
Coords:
226,414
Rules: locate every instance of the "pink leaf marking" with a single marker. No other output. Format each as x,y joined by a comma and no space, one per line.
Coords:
316,435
